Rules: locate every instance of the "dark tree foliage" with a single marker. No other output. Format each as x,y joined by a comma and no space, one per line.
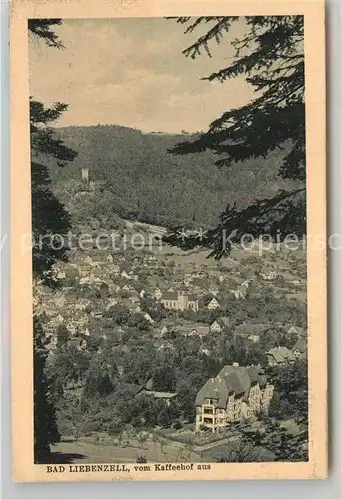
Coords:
164,378
48,218
292,384
41,28
50,221
45,428
271,57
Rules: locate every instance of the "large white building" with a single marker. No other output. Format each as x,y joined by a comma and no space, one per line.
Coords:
179,301
236,393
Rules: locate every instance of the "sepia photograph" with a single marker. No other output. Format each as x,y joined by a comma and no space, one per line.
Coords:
169,242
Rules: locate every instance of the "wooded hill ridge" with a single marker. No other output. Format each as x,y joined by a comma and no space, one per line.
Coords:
141,180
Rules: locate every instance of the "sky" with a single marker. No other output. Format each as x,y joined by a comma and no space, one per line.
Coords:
132,72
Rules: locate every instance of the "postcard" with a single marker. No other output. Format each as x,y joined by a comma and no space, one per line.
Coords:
168,235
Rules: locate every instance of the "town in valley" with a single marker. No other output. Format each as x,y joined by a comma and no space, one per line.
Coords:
168,183
168,354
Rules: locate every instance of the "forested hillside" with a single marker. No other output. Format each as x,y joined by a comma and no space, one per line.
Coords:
136,177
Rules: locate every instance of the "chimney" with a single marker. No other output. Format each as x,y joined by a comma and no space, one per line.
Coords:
235,364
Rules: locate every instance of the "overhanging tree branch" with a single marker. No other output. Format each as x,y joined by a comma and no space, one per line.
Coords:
270,56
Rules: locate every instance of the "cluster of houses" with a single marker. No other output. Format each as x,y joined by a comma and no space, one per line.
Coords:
281,355
237,393
116,280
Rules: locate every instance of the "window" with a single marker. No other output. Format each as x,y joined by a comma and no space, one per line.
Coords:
208,410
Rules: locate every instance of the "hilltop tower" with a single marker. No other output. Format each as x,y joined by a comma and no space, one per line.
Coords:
85,175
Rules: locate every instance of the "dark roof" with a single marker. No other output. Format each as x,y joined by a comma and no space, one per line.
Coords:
224,321
231,379
280,354
169,296
289,326
213,389
132,389
189,327
127,303
149,384
300,346
203,329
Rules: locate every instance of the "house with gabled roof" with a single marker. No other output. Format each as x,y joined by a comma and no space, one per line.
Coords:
299,349
60,274
251,331
279,355
71,327
157,293
114,288
111,303
219,324
215,327
165,326
213,304
236,393
59,319
224,321
298,330
193,329
161,395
